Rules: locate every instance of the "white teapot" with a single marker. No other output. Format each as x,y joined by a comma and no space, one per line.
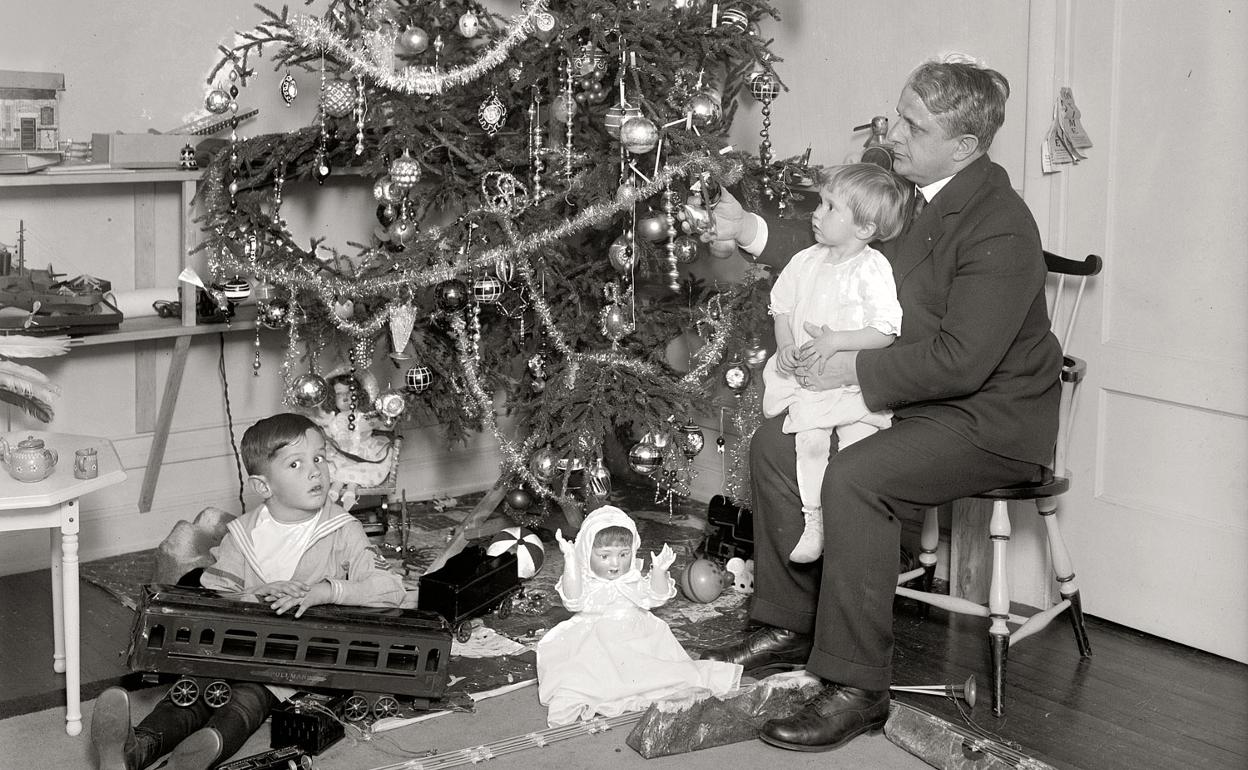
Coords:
29,461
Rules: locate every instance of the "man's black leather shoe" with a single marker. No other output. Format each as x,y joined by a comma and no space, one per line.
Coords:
765,650
830,719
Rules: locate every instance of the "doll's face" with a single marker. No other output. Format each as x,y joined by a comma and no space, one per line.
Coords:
342,397
610,561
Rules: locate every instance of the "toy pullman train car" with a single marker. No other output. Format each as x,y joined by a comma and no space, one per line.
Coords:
207,639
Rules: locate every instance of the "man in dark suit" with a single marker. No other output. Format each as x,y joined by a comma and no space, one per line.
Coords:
972,381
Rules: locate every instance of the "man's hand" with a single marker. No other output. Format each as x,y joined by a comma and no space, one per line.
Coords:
835,372
728,227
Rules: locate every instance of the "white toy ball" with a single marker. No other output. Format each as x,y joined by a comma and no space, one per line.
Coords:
525,544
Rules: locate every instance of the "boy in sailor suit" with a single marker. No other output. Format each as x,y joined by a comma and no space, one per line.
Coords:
296,550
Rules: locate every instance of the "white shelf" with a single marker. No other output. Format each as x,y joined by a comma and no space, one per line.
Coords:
155,328
182,329
116,176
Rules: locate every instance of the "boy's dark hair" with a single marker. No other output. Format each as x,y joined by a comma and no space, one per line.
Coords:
610,537
264,439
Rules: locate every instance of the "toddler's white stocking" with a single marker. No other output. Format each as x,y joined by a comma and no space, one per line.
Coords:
812,448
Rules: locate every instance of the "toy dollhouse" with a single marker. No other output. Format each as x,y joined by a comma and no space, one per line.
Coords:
30,110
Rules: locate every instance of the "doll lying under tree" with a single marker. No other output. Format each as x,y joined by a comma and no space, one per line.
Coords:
613,655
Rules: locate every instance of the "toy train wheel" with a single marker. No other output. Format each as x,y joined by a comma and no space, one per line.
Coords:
463,632
385,707
355,708
184,692
503,609
217,694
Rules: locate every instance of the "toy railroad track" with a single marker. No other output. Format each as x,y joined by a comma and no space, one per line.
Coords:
211,124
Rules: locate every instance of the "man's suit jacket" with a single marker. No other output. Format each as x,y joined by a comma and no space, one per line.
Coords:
975,352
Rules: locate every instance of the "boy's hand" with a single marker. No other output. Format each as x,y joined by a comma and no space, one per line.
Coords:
566,547
663,560
320,593
281,589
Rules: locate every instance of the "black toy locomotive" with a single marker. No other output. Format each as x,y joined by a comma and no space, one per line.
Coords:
207,639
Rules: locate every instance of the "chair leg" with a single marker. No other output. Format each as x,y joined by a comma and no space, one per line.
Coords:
999,601
1064,570
1076,623
929,539
1000,652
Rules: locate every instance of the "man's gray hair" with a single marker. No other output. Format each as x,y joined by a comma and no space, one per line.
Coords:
964,96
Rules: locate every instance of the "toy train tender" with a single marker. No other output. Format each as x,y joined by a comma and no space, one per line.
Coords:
469,585
207,639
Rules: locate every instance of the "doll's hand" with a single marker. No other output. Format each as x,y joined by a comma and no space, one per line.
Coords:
566,547
344,494
663,560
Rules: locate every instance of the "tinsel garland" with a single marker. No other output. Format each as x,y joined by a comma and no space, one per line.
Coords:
301,270
709,355
514,459
746,419
723,326
375,61
579,389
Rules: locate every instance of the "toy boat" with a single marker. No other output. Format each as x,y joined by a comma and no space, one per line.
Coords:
50,303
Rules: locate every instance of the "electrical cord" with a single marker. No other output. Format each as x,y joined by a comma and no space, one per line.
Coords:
229,419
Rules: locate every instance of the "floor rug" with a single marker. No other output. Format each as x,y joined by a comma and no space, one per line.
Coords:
696,624
473,669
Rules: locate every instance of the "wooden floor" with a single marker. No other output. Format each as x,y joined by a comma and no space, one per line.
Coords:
1139,702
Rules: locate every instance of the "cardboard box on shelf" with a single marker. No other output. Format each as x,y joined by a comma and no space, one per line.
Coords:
139,150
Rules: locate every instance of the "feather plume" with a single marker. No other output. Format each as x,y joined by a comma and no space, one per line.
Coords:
28,389
26,346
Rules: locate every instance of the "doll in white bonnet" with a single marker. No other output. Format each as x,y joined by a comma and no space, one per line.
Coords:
614,655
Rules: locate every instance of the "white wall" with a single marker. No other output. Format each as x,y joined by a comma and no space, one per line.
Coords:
140,65
134,67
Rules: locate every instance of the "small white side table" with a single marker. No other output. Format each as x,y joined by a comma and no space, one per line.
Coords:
53,504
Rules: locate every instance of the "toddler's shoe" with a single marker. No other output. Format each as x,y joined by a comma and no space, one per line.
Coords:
810,546
110,728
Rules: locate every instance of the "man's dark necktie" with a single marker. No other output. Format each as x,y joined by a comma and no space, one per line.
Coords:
919,204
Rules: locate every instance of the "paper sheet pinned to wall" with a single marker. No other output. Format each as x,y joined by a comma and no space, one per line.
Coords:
1066,137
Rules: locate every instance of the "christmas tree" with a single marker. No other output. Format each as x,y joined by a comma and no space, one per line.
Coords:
534,245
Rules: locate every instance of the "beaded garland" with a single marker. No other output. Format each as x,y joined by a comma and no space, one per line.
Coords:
298,269
382,285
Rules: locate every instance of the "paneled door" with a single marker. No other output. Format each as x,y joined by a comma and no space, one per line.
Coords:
1158,514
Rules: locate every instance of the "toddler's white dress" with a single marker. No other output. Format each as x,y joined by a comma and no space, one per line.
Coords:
855,294
613,655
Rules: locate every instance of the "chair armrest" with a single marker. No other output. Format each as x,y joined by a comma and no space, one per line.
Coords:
1089,265
1073,369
